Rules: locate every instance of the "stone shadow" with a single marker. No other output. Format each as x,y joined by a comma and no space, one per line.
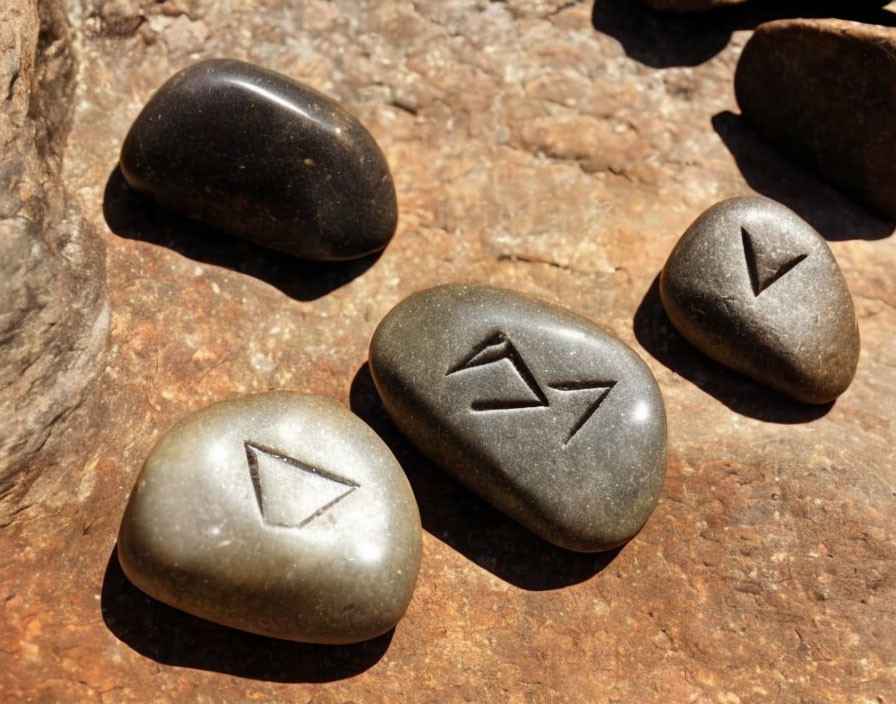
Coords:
172,637
132,215
657,335
835,215
457,517
664,39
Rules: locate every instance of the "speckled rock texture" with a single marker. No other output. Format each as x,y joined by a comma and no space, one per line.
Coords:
552,148
53,316
822,91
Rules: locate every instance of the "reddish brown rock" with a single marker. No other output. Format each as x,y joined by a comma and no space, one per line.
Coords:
765,572
53,314
822,90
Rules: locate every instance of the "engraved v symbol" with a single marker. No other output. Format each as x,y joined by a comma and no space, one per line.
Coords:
764,269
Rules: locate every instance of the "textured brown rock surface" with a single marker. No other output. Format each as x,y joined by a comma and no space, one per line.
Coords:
529,152
822,90
53,315
807,6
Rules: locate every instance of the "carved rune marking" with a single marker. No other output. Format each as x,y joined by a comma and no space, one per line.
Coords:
765,267
497,348
602,387
291,493
494,349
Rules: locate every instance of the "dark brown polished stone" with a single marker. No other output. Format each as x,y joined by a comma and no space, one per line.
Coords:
264,158
822,91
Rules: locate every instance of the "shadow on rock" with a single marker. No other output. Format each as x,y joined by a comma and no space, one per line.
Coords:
130,214
835,215
663,39
172,637
460,519
741,394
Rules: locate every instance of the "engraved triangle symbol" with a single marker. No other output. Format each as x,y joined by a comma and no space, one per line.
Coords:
764,266
291,493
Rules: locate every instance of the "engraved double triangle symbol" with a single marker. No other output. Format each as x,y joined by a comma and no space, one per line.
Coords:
764,265
498,347
289,492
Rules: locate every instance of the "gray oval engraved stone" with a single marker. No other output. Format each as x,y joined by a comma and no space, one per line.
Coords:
278,513
552,420
756,288
265,158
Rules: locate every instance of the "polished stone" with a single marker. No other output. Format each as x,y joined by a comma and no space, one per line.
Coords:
822,91
265,158
753,286
278,513
552,420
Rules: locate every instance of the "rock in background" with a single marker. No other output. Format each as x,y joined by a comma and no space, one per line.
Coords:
822,90
53,315
530,151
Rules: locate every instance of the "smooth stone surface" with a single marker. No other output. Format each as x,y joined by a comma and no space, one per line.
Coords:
552,420
278,513
822,91
753,286
264,158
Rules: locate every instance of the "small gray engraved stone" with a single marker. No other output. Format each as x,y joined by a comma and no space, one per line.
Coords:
277,513
552,420
754,287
